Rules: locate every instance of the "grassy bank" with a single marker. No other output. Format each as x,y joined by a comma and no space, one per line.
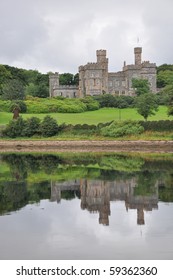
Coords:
93,117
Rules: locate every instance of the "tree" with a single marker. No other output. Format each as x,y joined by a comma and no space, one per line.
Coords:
40,90
164,78
146,105
69,79
141,86
4,76
13,90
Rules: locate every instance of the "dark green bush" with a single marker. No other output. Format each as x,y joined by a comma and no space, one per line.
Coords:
15,128
163,125
109,100
48,127
31,127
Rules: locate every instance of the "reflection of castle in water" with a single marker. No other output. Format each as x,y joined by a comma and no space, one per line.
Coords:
97,194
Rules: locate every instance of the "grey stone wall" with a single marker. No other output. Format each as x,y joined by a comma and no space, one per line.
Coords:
94,78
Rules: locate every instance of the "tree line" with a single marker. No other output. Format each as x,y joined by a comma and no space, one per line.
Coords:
16,83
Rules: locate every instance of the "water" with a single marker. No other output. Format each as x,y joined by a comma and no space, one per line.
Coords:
86,206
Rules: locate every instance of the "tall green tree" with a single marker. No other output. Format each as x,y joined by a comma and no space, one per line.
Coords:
4,76
141,86
164,78
41,90
13,90
69,79
146,105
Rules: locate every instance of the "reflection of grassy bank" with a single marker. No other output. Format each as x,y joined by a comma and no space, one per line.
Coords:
61,166
27,177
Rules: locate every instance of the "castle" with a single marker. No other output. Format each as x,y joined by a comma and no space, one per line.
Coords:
94,78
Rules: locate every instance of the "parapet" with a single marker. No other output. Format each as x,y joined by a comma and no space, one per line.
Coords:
137,50
101,52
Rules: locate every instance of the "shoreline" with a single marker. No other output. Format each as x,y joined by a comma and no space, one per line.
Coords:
86,146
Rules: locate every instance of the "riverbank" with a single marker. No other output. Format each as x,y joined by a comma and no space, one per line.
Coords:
85,146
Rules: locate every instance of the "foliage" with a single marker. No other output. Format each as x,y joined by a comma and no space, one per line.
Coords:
52,105
170,102
163,125
164,67
164,78
146,105
162,97
146,183
13,90
20,104
48,127
4,76
15,128
118,129
32,126
109,100
90,103
27,128
141,86
69,79
40,90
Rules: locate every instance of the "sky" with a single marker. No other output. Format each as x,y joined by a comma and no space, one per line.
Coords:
59,36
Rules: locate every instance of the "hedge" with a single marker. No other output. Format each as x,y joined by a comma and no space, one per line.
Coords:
163,125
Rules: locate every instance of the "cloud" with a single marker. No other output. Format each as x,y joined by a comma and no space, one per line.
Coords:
54,35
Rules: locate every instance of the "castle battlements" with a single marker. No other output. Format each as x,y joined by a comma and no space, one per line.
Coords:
94,78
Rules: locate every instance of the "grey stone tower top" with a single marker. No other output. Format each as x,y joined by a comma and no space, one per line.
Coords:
101,56
138,55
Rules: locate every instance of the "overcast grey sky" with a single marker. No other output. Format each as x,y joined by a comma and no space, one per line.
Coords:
60,35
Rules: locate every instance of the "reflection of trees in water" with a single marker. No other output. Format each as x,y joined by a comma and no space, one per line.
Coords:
13,196
24,185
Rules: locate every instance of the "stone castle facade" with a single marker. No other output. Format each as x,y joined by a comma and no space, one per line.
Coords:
94,78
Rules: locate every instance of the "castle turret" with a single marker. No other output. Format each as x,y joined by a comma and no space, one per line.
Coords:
138,55
53,83
101,56
102,64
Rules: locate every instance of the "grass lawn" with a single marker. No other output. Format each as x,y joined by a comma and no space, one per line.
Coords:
93,117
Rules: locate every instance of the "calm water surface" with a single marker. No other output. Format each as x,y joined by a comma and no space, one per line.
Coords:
86,206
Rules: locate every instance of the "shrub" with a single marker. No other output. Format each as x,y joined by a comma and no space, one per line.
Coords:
15,128
109,100
32,126
4,105
19,104
91,104
119,129
162,125
48,126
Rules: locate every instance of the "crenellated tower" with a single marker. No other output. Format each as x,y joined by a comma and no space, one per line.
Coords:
138,55
53,83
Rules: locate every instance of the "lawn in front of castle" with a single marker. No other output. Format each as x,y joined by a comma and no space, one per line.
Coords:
102,115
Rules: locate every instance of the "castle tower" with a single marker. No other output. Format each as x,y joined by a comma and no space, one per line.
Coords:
138,55
101,56
53,83
102,63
